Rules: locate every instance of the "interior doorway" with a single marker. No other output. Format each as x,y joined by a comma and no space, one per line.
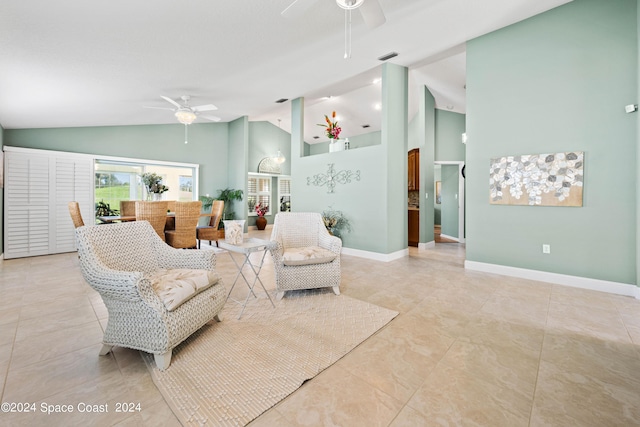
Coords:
449,204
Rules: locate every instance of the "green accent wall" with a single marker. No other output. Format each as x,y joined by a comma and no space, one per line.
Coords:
376,205
449,206
437,207
265,140
557,82
2,195
395,135
426,142
449,129
208,145
637,114
358,141
239,159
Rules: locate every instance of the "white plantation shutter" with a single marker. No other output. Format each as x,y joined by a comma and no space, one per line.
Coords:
26,204
73,182
284,192
38,186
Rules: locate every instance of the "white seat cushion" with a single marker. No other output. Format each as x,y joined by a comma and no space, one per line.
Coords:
307,255
176,286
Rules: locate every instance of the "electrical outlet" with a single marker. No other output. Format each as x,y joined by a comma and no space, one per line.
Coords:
546,249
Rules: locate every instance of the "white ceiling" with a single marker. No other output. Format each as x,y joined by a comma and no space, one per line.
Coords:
70,63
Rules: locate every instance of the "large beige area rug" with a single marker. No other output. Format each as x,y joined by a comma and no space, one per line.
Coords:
229,373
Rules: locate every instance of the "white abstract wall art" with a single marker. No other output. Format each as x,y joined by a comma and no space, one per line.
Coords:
537,179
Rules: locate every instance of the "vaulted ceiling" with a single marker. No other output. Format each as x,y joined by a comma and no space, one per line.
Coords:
71,63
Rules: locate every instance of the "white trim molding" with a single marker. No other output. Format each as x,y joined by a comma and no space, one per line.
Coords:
558,279
375,255
425,246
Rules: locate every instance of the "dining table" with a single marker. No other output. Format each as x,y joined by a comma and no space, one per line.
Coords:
126,218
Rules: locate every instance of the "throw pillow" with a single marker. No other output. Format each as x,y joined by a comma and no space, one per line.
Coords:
307,256
175,286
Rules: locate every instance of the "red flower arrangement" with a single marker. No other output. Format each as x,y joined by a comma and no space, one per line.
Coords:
332,129
261,209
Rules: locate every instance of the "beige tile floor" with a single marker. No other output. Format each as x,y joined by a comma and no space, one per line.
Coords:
468,349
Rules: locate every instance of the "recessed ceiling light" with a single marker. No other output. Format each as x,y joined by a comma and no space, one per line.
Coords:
377,106
316,137
281,100
449,107
376,81
366,126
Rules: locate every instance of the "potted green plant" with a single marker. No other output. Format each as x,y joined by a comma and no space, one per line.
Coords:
207,202
336,222
227,196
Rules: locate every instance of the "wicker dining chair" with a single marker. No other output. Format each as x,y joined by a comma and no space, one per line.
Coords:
127,208
134,272
186,220
155,213
210,232
76,216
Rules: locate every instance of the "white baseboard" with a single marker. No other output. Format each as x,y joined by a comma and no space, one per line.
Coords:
375,255
445,236
428,245
555,278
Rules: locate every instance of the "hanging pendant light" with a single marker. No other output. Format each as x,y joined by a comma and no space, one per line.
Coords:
279,158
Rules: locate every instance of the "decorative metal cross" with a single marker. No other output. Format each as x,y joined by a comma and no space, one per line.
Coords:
331,178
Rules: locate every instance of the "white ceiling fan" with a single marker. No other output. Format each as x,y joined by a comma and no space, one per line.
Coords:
187,114
371,12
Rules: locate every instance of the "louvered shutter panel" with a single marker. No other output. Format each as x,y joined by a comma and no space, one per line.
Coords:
38,187
26,205
73,182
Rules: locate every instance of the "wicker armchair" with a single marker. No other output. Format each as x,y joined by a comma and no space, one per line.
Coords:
186,221
119,261
306,256
155,213
210,232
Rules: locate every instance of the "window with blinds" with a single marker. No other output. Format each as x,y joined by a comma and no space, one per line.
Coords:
258,191
284,193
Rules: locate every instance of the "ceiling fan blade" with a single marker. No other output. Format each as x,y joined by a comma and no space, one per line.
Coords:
297,8
166,98
212,118
372,13
159,108
207,107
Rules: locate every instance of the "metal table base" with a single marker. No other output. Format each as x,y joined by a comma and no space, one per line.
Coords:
247,247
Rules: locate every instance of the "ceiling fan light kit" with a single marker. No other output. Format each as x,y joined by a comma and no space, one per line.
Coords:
184,116
349,4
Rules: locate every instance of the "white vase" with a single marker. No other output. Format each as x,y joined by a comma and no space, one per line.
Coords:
335,145
234,231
